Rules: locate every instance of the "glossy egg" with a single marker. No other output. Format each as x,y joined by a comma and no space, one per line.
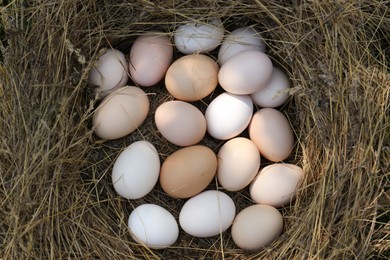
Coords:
272,133
150,57
207,214
136,170
120,113
180,123
192,77
228,115
238,163
276,184
246,72
153,226
256,227
188,171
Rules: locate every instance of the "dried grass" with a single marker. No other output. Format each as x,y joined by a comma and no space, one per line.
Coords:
55,192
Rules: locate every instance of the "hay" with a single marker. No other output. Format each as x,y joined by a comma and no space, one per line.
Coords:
55,192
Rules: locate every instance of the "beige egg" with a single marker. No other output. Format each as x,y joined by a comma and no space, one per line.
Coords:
150,57
275,92
256,227
192,77
180,123
276,184
109,72
188,171
238,163
120,113
272,133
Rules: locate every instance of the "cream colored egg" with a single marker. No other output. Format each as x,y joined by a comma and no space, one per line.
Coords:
275,93
120,113
240,40
109,72
276,184
180,123
192,77
246,72
272,133
256,227
150,57
238,163
188,171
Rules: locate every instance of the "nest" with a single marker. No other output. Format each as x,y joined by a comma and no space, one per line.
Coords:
56,196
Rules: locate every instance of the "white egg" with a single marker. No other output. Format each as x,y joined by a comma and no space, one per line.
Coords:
275,93
246,72
199,37
239,40
153,226
136,170
228,115
207,214
109,72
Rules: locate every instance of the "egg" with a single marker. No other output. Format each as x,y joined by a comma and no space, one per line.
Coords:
228,115
238,163
180,123
150,57
272,133
197,37
136,170
192,77
109,72
153,226
246,72
188,171
240,40
276,184
256,227
207,214
120,113
275,93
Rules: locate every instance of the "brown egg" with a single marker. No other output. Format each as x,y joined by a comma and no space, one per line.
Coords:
256,227
120,113
180,123
272,133
188,171
192,77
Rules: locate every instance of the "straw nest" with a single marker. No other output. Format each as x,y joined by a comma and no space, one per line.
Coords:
55,192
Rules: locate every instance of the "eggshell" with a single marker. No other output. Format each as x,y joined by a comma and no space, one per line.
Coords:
238,163
207,214
246,72
256,227
150,57
120,113
136,170
180,123
272,133
276,91
192,77
240,40
153,226
199,37
188,171
228,115
109,72
276,184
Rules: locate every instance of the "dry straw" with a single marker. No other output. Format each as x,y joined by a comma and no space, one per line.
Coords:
55,192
